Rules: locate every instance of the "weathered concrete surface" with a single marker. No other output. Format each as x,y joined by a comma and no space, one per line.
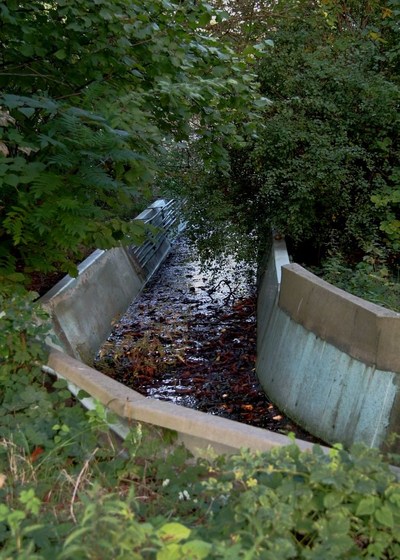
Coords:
363,330
197,430
84,308
269,287
325,390
329,360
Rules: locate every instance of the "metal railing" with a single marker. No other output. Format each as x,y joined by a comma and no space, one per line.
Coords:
164,218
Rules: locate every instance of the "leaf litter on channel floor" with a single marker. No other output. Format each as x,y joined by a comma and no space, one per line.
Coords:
190,338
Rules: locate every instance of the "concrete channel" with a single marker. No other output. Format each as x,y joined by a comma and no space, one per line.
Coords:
336,354
83,310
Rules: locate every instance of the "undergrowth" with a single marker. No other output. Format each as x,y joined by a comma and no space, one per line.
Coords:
371,281
144,499
69,490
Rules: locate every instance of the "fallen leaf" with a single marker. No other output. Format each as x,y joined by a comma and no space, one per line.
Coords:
35,454
247,406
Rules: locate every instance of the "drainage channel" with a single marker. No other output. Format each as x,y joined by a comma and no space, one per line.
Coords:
190,339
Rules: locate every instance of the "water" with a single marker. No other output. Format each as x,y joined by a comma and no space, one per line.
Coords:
190,339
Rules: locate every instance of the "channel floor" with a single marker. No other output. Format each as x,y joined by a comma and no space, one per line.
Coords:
190,338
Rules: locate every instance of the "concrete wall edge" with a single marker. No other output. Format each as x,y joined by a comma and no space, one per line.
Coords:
299,361
206,429
363,330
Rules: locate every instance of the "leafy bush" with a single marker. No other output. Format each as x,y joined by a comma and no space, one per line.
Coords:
331,139
327,166
70,490
281,504
324,168
91,90
23,329
368,280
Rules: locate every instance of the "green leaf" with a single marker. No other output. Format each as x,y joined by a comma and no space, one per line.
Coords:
196,549
173,532
332,500
60,384
32,503
27,50
204,19
61,54
11,101
385,516
11,179
27,111
367,506
170,552
106,14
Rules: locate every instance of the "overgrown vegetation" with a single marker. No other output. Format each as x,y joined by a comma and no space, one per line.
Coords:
90,92
101,500
69,490
324,168
366,280
96,95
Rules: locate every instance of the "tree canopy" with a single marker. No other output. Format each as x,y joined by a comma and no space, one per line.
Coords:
324,168
90,92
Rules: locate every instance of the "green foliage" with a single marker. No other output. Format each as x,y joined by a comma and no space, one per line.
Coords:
388,199
28,412
323,169
90,92
331,138
165,506
369,279
23,329
288,504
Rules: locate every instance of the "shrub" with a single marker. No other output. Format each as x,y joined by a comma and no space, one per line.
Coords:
324,168
280,504
90,92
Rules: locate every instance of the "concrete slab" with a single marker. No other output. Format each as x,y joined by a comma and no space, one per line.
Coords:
363,330
329,393
83,309
197,430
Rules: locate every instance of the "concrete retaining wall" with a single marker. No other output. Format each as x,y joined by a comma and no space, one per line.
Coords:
83,309
329,360
198,431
